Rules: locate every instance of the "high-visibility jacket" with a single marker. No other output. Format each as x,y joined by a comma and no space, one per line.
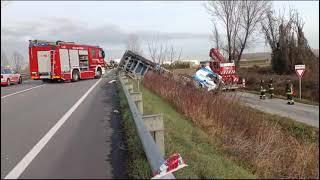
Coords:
270,86
289,90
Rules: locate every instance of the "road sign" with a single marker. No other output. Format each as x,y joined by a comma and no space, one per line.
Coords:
300,71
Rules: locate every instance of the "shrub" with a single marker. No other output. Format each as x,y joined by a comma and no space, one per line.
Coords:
177,65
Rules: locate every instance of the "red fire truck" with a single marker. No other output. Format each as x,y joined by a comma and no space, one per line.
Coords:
219,65
65,61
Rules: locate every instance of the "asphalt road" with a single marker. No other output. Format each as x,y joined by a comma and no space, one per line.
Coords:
85,145
304,113
7,90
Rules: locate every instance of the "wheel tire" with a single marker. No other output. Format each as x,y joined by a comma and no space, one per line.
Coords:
75,76
99,72
20,81
8,82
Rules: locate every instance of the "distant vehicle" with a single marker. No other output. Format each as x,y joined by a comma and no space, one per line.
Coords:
112,64
65,61
9,76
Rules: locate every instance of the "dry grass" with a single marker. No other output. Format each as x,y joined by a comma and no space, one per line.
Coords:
242,132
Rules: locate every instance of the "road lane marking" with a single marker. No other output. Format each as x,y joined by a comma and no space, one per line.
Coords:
27,159
2,97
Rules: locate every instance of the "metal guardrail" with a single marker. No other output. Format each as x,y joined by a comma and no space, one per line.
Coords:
150,147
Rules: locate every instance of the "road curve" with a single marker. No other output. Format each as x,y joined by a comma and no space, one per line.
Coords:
85,146
304,113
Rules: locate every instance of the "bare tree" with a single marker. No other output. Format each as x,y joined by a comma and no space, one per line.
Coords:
253,12
153,48
285,36
223,11
134,44
240,20
216,37
158,49
17,61
173,56
4,58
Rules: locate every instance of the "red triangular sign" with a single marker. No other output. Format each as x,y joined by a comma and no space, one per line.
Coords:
300,72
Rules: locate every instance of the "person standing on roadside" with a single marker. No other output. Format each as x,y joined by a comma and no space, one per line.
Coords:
262,90
289,92
271,88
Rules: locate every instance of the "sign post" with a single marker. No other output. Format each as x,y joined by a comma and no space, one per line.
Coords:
300,71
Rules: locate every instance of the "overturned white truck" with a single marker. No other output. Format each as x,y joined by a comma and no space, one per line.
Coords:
134,64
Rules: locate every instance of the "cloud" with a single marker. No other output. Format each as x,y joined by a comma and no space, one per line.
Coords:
15,34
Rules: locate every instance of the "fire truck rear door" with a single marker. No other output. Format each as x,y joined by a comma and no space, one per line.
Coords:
74,58
44,64
64,60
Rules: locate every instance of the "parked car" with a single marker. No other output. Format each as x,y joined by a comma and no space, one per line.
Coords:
9,76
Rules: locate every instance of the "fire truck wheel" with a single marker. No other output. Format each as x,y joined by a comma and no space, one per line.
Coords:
20,81
75,75
8,82
99,73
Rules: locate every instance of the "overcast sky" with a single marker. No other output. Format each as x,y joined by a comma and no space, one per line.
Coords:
186,24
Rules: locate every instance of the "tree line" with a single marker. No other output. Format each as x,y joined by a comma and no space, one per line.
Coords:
16,60
236,26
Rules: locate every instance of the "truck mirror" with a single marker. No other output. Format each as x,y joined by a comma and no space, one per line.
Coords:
103,55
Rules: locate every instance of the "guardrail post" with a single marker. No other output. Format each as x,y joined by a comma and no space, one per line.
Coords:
129,87
154,124
153,143
125,80
137,98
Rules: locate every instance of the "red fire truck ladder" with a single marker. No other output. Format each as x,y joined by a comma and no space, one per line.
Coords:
215,54
52,59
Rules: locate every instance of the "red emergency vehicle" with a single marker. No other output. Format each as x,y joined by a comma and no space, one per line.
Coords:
65,61
227,70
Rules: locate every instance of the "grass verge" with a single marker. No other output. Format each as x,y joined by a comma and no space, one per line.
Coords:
271,149
194,145
138,167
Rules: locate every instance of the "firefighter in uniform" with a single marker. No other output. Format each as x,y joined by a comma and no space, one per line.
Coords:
271,88
262,90
289,92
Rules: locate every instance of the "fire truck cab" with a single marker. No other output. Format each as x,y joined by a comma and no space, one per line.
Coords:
65,61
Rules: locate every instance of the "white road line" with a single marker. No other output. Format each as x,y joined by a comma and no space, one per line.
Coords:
21,91
27,159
